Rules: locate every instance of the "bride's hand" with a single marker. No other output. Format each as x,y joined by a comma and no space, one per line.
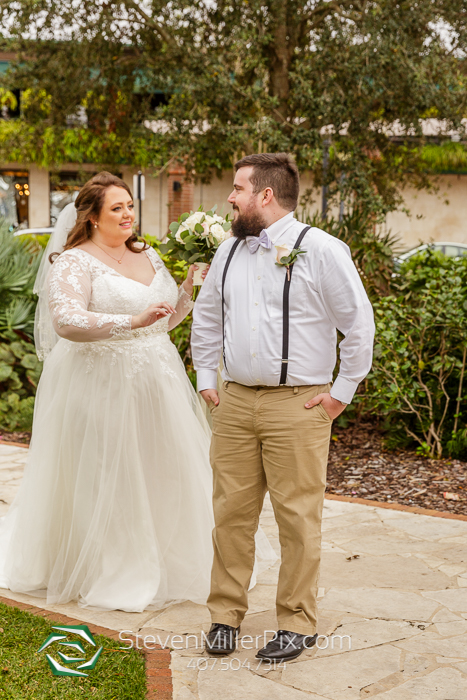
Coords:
152,314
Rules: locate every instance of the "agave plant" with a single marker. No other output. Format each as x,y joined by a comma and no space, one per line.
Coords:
19,367
19,262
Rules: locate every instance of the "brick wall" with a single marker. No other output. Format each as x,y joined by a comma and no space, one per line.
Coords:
180,192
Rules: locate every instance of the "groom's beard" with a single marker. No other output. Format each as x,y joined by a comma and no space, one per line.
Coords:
251,223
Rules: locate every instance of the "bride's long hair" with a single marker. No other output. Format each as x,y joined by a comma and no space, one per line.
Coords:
89,204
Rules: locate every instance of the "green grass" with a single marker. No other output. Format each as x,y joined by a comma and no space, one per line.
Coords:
25,674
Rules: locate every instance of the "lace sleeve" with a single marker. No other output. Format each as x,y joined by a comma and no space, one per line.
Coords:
183,308
69,296
184,302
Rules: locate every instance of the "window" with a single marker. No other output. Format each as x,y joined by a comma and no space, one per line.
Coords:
14,197
64,188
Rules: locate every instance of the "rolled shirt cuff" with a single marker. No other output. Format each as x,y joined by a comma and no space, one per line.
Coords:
343,389
206,379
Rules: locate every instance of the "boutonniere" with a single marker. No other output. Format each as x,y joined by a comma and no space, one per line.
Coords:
286,257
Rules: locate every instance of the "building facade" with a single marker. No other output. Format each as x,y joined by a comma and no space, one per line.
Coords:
31,197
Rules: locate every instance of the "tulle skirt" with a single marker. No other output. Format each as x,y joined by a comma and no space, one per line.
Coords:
114,509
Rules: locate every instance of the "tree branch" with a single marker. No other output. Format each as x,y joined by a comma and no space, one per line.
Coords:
316,16
150,21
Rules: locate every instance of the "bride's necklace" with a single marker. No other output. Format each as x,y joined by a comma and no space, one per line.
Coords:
110,256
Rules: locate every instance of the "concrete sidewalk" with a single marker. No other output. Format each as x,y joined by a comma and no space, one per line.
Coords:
393,582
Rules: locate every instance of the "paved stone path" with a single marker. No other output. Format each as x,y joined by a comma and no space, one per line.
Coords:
393,582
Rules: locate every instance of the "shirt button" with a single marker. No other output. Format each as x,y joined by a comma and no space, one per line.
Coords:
254,328
259,277
261,252
256,303
253,354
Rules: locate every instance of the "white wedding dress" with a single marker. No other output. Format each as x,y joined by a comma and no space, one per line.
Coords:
114,509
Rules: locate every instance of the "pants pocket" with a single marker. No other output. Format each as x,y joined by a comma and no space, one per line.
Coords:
323,412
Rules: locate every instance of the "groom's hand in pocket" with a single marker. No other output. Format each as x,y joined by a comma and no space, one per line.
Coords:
333,407
210,395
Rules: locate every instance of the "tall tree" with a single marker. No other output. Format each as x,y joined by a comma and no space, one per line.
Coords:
142,82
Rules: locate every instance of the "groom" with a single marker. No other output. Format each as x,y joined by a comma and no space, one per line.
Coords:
276,328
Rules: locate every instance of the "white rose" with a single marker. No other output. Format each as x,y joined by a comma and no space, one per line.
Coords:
194,219
210,220
218,233
180,230
219,219
282,252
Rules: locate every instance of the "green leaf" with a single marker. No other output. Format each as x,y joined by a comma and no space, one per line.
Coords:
5,371
30,361
18,350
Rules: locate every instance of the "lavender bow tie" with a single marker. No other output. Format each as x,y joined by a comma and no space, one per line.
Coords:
254,242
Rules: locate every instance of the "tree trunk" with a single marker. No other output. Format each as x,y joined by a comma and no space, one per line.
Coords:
280,52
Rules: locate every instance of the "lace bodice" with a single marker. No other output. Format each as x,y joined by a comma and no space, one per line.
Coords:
91,301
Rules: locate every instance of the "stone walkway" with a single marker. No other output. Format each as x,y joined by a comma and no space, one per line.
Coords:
393,586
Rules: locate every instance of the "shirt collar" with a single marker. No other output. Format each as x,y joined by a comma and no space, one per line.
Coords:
280,226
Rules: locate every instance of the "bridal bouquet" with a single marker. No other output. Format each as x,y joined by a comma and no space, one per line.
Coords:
196,236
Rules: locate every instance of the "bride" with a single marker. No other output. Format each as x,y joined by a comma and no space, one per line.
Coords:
114,509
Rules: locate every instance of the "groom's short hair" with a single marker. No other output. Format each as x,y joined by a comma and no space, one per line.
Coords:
277,171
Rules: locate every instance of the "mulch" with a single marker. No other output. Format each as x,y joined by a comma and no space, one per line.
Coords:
360,467
18,438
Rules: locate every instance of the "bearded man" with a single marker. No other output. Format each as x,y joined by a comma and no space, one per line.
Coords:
271,303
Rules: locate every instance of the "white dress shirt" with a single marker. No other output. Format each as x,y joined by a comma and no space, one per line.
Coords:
326,294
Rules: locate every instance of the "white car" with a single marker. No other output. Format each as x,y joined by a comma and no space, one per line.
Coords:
452,250
33,231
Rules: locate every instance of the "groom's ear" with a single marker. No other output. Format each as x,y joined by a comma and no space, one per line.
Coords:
267,196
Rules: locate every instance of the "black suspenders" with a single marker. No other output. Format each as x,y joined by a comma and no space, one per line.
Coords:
285,314
285,299
229,260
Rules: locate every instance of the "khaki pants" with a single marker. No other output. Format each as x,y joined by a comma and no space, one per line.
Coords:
264,439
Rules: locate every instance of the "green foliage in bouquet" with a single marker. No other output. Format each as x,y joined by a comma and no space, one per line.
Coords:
181,334
196,236
418,379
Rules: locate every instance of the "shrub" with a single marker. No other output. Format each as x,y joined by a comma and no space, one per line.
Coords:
19,367
418,377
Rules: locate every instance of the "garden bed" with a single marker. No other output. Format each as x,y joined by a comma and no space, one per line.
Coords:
22,438
360,467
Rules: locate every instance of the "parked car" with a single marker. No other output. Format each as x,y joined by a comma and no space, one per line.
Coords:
34,231
452,250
